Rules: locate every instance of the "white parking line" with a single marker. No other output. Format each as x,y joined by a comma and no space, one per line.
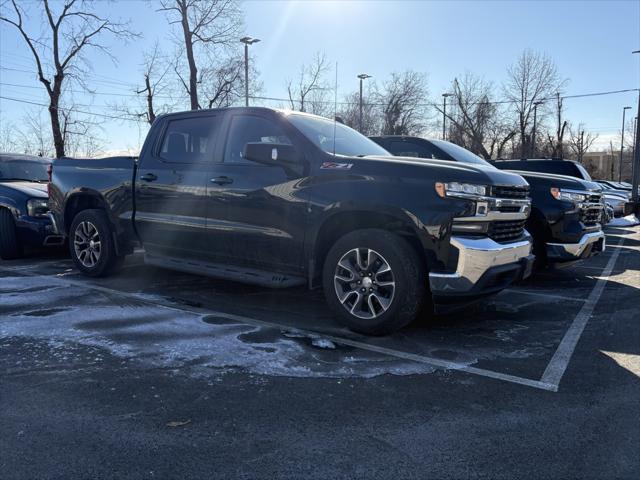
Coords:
544,295
560,361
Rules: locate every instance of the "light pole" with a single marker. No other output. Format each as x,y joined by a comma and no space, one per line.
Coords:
362,76
533,133
624,110
636,161
247,41
444,114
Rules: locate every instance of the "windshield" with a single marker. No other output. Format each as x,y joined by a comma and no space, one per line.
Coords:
585,174
459,154
23,170
348,142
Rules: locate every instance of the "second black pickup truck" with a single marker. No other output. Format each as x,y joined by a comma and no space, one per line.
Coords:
284,198
566,211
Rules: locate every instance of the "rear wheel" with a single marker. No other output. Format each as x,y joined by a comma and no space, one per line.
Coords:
374,281
91,244
10,247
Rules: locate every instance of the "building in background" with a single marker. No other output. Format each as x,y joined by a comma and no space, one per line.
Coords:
606,165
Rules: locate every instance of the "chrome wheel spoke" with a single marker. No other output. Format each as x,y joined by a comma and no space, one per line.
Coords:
346,265
357,302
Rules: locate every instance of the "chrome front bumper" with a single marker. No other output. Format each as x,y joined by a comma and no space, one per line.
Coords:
477,259
575,251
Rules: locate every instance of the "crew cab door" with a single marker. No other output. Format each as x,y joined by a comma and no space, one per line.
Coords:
257,212
171,186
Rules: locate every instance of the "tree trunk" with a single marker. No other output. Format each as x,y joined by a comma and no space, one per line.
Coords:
54,112
151,115
193,70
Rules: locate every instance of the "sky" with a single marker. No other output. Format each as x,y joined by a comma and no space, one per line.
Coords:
590,42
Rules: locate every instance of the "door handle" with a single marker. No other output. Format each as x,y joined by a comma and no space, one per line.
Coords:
148,177
223,180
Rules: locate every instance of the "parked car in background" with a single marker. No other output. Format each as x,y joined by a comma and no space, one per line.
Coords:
614,190
567,212
24,210
570,168
556,166
282,198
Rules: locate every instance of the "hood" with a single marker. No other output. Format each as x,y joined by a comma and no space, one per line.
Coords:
446,170
559,181
28,189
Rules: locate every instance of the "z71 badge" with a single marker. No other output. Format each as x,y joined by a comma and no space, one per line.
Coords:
336,166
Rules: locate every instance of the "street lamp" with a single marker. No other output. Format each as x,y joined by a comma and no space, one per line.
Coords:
362,76
624,110
247,41
444,114
533,134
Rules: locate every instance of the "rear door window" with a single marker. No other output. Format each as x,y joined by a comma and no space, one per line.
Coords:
189,140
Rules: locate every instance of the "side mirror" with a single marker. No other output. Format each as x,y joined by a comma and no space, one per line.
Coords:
270,153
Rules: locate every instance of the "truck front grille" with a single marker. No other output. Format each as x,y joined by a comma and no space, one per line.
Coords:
590,216
506,230
502,191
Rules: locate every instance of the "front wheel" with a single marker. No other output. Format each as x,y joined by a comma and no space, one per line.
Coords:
91,243
374,281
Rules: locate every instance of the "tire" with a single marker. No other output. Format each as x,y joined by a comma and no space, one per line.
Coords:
10,247
382,308
99,258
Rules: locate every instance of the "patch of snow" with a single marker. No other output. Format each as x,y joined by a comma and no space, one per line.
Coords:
323,343
155,336
628,221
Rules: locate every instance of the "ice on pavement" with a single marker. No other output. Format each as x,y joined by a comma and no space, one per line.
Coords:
42,309
628,221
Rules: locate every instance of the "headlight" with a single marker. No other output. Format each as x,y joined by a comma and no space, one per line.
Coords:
38,207
559,194
462,190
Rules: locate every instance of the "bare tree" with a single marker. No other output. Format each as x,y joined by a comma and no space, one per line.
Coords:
532,78
402,100
70,32
210,25
310,85
8,140
155,70
350,112
477,123
223,84
580,141
555,146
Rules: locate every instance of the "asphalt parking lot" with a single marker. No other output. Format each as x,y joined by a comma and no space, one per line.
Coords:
157,374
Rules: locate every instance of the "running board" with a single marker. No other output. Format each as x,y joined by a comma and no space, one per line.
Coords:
227,272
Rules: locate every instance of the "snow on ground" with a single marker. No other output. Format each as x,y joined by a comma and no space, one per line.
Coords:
628,221
35,307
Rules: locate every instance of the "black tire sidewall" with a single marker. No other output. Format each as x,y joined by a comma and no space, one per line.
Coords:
408,270
10,248
108,256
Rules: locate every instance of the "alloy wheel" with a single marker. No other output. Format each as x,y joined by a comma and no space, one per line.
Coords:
364,283
87,245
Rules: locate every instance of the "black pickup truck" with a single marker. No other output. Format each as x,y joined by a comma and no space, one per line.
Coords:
566,211
24,211
283,198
